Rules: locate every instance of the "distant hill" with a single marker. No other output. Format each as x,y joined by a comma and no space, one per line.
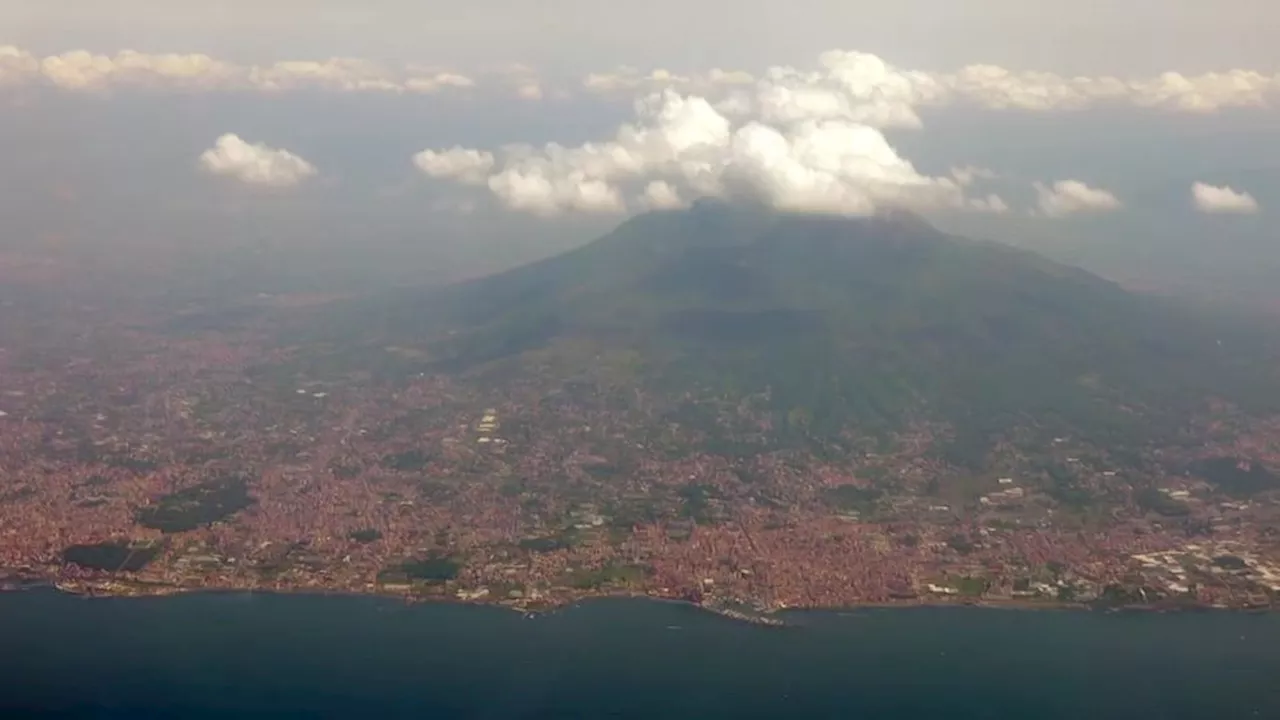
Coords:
840,324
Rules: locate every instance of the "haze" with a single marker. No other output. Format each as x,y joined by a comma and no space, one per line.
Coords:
325,145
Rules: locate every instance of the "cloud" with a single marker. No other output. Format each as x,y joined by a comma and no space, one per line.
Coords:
536,191
83,70
681,147
854,86
968,174
521,79
255,164
660,195
431,80
1207,92
991,203
629,80
813,139
1222,199
16,65
469,167
845,84
1070,197
530,90
864,88
343,74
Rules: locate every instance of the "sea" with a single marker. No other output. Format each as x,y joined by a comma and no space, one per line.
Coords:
294,656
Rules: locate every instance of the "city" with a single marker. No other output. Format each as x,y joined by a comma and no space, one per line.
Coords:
150,461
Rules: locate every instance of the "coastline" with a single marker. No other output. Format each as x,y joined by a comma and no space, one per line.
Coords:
772,617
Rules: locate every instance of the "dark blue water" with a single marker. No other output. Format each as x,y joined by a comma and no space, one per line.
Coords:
283,656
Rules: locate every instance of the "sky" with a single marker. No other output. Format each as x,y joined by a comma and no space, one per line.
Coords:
1144,36
1135,137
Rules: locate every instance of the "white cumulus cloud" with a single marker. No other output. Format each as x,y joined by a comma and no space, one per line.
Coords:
470,167
629,80
255,163
1207,92
968,174
529,90
660,195
16,65
80,69
865,88
344,74
84,70
1222,199
1071,197
521,80
844,84
433,80
813,139
681,147
810,138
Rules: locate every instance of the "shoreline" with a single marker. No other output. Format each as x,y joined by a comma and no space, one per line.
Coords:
769,618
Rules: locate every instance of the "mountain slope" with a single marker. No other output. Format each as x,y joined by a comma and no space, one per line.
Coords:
840,324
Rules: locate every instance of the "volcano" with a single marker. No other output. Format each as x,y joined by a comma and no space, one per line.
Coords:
834,325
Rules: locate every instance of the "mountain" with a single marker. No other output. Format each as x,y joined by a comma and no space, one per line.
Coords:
833,326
